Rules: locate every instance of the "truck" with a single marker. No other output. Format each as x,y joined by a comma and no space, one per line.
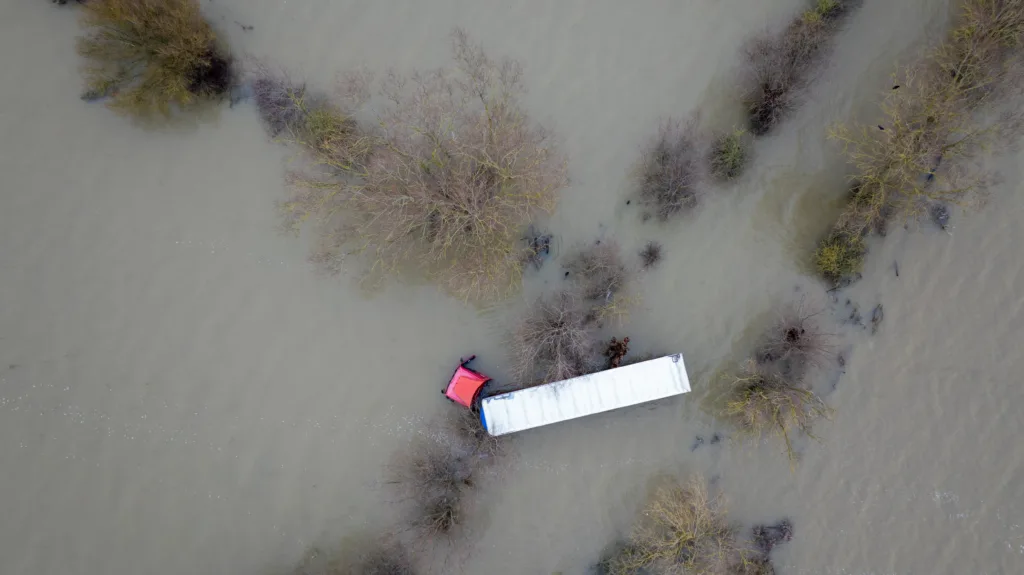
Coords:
559,401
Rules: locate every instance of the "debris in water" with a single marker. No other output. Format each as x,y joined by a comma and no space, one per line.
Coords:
876,318
538,246
697,443
855,317
650,255
940,214
616,351
715,439
766,537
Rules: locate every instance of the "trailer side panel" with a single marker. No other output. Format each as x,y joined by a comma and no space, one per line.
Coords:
585,395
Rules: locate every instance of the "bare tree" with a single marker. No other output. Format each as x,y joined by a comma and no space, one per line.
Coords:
671,170
556,340
457,170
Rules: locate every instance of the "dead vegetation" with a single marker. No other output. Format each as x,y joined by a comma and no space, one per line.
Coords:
763,403
283,105
920,152
795,342
671,170
598,271
766,537
780,65
555,340
651,255
557,337
151,56
439,474
616,352
682,529
445,183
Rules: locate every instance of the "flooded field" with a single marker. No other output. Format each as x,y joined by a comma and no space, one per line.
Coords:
180,392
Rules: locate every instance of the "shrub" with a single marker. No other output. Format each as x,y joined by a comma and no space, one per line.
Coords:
151,55
469,431
756,566
839,255
764,403
555,340
670,171
598,271
650,256
930,127
281,104
779,66
728,155
457,170
437,478
766,537
794,342
683,529
439,473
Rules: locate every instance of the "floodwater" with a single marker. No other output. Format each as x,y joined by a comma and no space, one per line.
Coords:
180,393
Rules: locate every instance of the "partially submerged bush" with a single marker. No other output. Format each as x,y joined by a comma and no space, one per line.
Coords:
470,432
457,170
794,342
438,479
281,103
439,473
151,55
779,66
671,170
840,255
683,529
598,271
930,128
766,537
650,256
728,155
556,340
763,403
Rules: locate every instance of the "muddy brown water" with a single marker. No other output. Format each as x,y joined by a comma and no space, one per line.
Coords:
179,393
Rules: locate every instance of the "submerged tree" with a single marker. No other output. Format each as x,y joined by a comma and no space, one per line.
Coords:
555,340
795,342
779,66
683,529
671,170
919,151
151,55
764,403
456,170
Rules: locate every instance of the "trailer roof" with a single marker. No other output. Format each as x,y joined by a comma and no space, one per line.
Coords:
585,395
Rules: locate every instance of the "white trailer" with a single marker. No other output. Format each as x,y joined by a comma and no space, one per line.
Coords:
585,395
